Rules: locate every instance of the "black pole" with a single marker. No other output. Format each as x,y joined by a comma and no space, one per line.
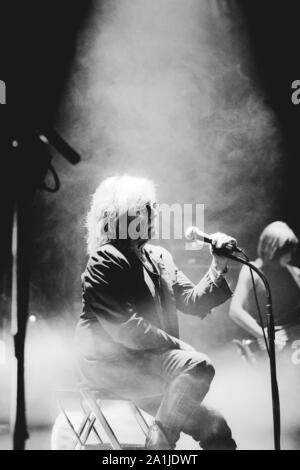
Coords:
274,385
27,176
30,162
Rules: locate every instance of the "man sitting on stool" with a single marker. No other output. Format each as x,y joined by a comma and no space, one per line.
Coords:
128,337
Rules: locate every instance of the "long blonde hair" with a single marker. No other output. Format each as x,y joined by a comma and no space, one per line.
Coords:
114,197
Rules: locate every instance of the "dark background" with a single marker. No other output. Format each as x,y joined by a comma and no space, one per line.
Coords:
38,41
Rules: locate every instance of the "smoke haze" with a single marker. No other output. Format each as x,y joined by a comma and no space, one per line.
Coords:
164,89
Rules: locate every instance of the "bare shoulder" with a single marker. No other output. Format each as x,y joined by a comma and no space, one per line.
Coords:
245,273
295,272
295,269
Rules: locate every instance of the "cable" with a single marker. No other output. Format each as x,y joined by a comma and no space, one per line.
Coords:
56,186
257,304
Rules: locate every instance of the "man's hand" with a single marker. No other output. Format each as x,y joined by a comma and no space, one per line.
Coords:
220,240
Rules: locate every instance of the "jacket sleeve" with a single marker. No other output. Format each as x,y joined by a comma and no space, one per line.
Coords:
199,299
105,291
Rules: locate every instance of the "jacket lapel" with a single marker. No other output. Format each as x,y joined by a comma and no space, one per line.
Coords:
137,265
165,303
148,281
167,278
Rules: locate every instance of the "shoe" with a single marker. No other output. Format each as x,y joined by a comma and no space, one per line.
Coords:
215,444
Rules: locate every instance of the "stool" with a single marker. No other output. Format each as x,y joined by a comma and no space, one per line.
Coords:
91,406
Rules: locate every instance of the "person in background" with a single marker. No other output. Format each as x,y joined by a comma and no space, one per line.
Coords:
276,245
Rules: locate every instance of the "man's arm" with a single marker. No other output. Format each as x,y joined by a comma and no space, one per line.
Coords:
105,290
211,291
199,299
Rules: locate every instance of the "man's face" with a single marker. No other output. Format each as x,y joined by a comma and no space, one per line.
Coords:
149,220
143,225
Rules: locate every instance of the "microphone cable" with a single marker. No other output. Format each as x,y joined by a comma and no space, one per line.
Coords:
257,303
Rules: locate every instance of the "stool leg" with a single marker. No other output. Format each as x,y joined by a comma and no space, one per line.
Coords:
86,419
140,418
93,427
70,423
96,409
88,430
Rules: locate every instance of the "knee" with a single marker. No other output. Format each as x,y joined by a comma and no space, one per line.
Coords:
203,368
209,368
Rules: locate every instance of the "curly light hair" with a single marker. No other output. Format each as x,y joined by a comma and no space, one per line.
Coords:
114,197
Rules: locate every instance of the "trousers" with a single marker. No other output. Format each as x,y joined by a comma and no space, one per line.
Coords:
169,385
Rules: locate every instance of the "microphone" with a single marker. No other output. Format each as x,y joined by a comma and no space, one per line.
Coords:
51,137
194,233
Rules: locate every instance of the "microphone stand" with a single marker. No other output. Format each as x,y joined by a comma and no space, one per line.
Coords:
34,144
271,342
